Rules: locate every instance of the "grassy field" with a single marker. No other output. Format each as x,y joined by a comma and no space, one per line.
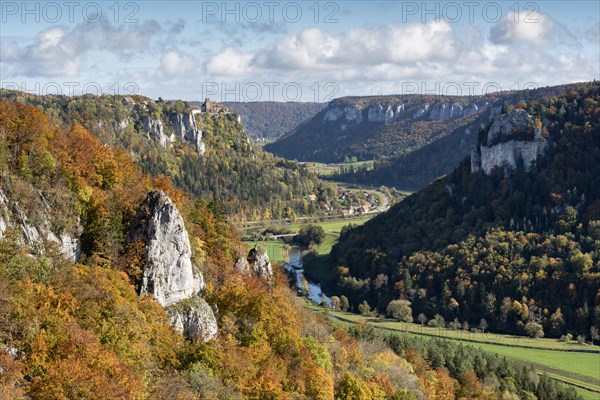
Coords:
332,231
558,359
275,248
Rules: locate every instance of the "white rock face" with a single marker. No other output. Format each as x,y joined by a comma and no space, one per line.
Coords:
70,246
421,111
155,131
186,129
506,155
121,125
195,319
261,264
388,112
507,124
501,148
333,114
242,265
34,236
375,113
4,217
168,273
443,111
384,113
353,114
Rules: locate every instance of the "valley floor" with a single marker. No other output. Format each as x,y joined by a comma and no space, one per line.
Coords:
572,363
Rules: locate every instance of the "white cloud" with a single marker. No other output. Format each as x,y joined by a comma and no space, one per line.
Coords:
317,49
538,29
229,62
48,55
59,51
386,56
361,59
522,30
175,63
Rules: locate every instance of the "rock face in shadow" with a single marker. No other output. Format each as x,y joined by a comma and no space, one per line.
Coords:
168,273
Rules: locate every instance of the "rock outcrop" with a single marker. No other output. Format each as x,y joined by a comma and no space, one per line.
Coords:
184,128
512,137
387,112
351,114
381,113
257,262
380,127
374,113
121,125
261,264
194,318
444,111
155,130
187,131
421,111
168,273
243,265
37,235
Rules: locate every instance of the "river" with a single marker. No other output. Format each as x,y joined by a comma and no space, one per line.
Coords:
295,264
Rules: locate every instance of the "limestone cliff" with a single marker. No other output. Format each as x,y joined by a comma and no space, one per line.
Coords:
38,234
377,127
511,137
187,131
168,273
155,130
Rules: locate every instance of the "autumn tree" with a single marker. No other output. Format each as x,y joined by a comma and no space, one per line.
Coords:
400,310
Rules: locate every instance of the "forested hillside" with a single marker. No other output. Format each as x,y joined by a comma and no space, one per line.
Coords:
267,121
206,154
249,183
518,247
79,329
375,127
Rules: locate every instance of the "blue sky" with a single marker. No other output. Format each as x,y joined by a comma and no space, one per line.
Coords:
290,51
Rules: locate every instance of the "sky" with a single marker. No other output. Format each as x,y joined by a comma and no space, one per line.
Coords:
295,50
